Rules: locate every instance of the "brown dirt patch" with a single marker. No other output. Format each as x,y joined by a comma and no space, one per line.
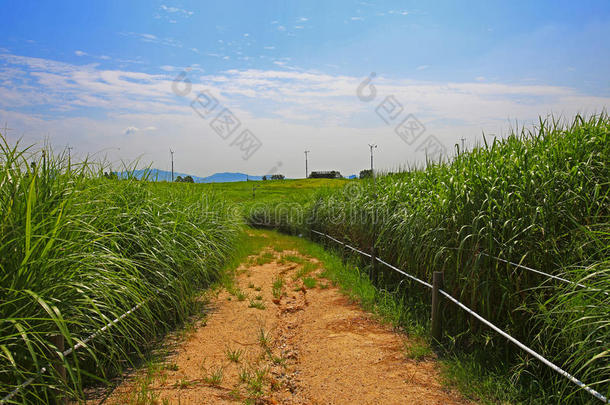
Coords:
317,348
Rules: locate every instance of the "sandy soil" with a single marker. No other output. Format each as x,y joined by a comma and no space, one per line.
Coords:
307,346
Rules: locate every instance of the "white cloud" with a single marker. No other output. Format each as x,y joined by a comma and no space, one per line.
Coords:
357,18
422,67
80,53
176,10
132,130
151,38
281,28
270,48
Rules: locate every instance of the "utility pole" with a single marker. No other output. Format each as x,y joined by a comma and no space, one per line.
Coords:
372,146
172,153
306,171
69,157
462,139
373,276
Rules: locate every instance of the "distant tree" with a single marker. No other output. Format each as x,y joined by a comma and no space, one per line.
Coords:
277,177
264,178
366,173
188,179
179,179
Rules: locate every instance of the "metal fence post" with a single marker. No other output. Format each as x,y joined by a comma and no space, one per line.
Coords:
58,366
437,327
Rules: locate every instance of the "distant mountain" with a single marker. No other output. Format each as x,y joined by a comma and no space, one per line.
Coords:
353,176
228,177
164,175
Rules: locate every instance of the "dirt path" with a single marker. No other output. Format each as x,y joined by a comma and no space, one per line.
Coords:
284,335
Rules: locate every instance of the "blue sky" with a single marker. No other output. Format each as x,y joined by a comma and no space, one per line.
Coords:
101,76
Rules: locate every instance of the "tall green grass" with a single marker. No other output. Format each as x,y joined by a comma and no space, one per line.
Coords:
78,250
539,197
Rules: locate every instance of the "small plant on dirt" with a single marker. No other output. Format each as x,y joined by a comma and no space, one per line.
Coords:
251,285
215,377
171,367
278,360
183,383
310,282
323,286
244,375
256,304
265,258
257,288
307,268
263,338
144,394
234,394
293,258
278,284
258,297
255,383
188,327
240,296
234,355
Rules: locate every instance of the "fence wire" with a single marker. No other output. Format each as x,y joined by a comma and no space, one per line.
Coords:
513,340
69,351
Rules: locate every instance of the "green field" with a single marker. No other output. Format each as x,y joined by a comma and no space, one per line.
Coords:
270,190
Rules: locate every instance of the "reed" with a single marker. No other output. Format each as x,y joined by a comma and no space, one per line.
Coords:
78,249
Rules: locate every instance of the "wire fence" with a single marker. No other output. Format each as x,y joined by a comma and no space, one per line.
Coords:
510,338
521,266
65,353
